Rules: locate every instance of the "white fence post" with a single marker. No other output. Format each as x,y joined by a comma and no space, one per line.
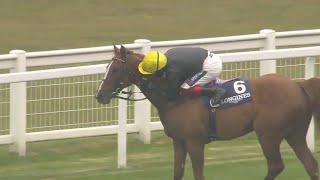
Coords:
268,66
309,73
122,133
18,107
142,109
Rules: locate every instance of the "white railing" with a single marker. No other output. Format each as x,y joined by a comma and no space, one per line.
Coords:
17,61
231,43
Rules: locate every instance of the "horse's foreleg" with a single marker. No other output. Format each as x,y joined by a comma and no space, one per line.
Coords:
180,154
196,153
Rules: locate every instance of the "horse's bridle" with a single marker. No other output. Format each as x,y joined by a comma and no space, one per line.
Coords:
119,89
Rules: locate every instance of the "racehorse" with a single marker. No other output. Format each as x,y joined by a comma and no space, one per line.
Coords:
281,109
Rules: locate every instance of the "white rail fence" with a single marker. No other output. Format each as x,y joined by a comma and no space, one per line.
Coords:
17,61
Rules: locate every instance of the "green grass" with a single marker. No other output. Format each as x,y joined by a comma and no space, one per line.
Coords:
36,25
95,158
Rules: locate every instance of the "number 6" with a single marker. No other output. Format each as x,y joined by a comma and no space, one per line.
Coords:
239,87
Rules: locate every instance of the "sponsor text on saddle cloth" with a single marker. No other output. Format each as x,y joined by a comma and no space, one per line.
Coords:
237,92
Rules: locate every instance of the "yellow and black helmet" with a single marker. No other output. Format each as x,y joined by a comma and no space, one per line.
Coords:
152,62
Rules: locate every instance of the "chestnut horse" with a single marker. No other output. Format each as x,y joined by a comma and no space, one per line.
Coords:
280,109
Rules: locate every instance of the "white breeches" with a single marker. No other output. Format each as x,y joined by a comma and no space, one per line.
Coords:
212,67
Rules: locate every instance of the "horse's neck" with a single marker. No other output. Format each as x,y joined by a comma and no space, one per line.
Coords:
160,102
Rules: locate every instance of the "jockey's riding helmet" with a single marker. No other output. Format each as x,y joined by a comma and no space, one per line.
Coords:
152,62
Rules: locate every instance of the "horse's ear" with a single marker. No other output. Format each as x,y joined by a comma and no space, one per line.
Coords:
116,50
123,50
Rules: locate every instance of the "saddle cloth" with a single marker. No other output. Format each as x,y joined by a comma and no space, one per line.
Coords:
237,92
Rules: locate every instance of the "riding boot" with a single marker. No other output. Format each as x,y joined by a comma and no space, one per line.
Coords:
215,93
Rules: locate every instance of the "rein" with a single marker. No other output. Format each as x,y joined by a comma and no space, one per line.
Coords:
129,93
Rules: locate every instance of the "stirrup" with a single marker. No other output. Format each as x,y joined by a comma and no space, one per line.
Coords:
212,137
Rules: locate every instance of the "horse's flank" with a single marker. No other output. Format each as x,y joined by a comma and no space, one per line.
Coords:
269,98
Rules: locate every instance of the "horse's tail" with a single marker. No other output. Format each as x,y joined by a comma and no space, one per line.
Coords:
311,89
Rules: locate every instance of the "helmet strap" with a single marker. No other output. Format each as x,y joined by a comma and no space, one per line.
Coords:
157,61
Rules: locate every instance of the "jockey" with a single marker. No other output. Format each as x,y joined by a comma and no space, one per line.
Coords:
187,70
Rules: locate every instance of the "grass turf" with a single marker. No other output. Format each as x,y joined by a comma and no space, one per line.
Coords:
95,158
35,25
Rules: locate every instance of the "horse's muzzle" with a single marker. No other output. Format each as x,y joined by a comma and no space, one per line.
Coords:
103,98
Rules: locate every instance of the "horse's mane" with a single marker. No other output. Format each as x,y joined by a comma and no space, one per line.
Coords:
129,52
